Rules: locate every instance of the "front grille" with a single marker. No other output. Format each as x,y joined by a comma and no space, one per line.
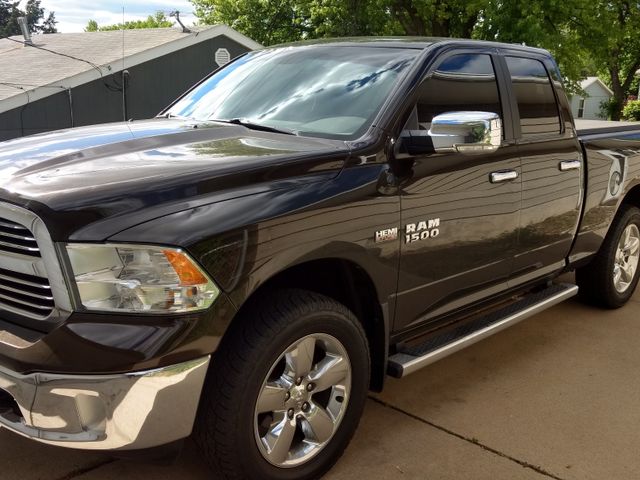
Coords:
33,290
26,292
15,238
25,286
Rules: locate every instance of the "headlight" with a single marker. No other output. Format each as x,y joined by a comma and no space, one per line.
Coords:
139,278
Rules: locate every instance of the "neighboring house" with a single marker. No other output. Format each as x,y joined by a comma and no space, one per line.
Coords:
589,106
82,84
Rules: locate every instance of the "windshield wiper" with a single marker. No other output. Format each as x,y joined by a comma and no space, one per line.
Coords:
253,126
173,115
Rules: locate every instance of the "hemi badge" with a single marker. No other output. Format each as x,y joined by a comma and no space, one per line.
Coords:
386,235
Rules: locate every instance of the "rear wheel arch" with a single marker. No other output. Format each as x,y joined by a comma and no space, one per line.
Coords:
632,197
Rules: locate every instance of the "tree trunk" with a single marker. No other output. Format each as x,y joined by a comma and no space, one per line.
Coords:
618,93
469,25
405,12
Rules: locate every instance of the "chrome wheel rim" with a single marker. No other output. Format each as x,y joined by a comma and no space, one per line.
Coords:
303,400
626,260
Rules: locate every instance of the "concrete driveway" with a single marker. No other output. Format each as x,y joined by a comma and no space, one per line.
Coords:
557,396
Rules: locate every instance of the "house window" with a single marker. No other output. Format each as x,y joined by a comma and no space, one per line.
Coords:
581,108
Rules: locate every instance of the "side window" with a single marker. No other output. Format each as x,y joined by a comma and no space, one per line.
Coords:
461,82
534,94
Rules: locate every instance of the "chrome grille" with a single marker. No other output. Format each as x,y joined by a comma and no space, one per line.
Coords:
32,285
26,292
16,238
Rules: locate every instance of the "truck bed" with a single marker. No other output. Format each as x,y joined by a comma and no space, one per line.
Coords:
597,127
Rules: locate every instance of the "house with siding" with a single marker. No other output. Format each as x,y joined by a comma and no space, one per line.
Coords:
589,106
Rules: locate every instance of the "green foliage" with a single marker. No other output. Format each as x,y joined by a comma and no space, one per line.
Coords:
278,21
631,111
437,18
608,108
158,20
609,31
586,37
266,21
548,24
10,11
92,26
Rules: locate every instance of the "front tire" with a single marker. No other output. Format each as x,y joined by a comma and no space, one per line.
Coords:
285,390
611,278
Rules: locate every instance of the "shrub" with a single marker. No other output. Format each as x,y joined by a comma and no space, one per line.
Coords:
608,108
631,110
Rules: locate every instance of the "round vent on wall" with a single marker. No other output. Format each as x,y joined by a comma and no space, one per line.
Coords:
222,56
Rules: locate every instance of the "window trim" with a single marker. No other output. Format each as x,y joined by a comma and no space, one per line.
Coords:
505,104
520,139
581,104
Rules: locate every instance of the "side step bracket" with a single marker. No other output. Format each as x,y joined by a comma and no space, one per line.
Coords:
411,359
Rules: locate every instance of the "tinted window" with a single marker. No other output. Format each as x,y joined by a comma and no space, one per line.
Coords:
461,83
319,90
534,94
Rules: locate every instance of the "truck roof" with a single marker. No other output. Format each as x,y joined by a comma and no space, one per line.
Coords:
420,43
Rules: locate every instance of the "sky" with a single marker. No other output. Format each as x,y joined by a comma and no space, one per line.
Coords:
73,15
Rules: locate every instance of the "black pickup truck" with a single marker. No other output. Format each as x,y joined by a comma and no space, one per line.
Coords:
303,222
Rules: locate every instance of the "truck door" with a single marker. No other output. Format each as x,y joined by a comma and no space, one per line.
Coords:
460,212
551,163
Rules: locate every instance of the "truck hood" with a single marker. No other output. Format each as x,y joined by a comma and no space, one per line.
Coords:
91,182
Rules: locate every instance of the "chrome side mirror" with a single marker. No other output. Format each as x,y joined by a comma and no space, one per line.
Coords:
469,133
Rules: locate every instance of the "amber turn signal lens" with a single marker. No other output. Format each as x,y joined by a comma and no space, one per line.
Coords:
187,271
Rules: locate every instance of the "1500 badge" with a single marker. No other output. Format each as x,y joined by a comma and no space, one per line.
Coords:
422,230
414,232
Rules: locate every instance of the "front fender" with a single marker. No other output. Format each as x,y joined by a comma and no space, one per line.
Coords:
243,242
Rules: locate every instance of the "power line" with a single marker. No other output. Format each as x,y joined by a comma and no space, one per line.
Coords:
20,85
93,65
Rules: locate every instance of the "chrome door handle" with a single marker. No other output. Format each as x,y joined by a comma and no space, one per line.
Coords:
567,165
504,176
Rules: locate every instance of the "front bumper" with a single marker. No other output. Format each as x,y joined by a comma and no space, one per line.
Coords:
129,411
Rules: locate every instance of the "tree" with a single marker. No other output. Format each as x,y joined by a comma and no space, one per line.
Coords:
548,24
49,25
277,21
346,18
436,18
586,37
266,21
10,12
158,20
610,30
92,26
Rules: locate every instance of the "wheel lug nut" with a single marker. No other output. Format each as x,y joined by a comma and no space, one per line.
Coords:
305,407
287,396
290,413
298,381
310,387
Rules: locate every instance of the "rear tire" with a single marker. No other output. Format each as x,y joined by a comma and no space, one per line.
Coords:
611,278
294,367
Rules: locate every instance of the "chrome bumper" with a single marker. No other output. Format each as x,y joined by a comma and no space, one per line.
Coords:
104,412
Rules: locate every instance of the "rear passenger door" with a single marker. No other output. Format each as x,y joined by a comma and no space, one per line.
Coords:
551,167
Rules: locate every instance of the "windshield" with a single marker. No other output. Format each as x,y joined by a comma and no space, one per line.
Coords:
324,91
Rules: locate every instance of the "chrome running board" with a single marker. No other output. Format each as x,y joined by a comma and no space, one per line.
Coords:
411,359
